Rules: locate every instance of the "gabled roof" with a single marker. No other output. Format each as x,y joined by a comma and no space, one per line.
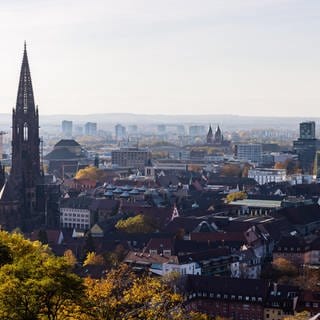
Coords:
159,244
106,204
302,214
79,203
227,286
291,244
188,224
207,255
219,236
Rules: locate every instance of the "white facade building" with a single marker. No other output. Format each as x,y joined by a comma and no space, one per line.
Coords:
75,218
184,269
266,175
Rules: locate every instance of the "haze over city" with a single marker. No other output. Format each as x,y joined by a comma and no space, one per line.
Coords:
257,58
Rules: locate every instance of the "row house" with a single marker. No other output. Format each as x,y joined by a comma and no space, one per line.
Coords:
298,251
294,249
247,266
239,299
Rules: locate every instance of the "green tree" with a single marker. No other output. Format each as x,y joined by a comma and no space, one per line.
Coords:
123,295
115,257
93,259
299,316
35,284
136,224
70,257
240,195
5,254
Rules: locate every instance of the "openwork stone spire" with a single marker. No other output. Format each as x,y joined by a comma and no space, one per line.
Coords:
25,98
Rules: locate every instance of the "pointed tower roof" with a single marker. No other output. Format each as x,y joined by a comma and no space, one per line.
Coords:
210,135
25,98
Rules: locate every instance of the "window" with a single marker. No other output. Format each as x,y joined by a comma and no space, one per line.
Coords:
25,132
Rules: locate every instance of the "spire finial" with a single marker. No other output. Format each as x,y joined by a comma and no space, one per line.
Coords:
25,45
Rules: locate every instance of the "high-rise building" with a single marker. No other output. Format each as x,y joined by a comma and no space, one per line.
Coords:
308,130
66,127
120,132
130,157
90,129
18,196
249,152
316,171
306,146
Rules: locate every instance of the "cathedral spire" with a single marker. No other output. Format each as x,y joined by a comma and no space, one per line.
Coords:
25,132
25,98
210,135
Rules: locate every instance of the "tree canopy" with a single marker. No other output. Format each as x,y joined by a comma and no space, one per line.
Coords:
91,173
136,224
36,285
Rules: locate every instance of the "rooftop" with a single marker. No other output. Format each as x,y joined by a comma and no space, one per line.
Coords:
257,203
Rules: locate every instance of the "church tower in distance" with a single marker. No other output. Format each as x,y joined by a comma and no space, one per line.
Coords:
19,192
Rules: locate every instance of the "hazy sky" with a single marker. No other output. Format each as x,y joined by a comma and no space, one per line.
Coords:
250,57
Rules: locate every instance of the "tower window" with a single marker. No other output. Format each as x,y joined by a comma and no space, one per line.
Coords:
25,132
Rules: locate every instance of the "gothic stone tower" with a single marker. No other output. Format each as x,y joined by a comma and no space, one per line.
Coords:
19,192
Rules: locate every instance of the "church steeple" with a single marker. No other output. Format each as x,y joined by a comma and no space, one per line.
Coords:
210,136
18,197
25,170
25,98
218,135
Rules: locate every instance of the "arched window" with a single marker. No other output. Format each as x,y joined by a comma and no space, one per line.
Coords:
25,132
